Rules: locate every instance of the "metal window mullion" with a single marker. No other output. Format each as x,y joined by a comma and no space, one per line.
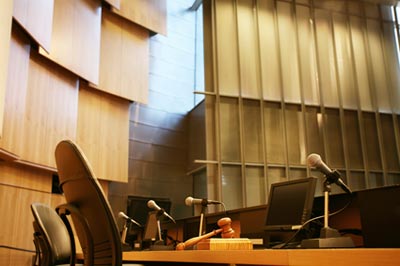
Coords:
283,107
373,89
395,118
240,111
301,88
316,73
217,118
385,59
195,57
261,93
341,111
371,83
359,108
319,85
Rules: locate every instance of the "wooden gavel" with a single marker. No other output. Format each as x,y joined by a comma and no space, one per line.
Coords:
225,230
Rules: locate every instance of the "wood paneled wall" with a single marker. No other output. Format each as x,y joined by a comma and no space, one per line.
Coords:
121,43
35,86
14,107
114,3
5,30
42,95
150,14
68,70
75,42
36,17
19,187
104,120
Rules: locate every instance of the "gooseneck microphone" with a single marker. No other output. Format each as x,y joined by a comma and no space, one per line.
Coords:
126,217
153,205
189,201
314,160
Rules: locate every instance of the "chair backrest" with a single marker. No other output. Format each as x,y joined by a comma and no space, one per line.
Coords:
91,213
51,237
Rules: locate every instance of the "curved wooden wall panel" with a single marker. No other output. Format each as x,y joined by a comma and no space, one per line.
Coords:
103,132
41,105
151,14
51,110
5,30
14,108
124,60
75,42
114,3
25,177
36,17
17,229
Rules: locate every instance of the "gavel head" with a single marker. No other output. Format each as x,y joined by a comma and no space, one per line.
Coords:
225,225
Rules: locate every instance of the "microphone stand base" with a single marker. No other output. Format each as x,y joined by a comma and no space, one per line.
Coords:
162,247
331,242
159,245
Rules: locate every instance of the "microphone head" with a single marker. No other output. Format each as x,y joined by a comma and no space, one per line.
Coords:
122,215
189,201
152,205
314,160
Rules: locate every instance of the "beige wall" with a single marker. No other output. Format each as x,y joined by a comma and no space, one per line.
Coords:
158,158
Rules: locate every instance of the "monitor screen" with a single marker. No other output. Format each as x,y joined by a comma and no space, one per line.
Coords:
290,204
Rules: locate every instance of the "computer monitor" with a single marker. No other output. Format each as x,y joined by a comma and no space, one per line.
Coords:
290,204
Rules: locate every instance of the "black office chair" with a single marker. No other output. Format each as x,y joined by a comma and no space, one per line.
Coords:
91,213
51,238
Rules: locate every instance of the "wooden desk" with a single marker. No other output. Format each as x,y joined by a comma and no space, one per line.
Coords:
309,257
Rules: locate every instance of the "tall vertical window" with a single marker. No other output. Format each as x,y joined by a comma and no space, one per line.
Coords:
288,78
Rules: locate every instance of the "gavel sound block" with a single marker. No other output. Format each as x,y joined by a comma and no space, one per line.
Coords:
226,242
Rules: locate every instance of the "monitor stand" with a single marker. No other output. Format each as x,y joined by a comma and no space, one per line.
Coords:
160,245
329,238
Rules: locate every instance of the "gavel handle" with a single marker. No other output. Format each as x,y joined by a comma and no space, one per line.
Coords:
194,240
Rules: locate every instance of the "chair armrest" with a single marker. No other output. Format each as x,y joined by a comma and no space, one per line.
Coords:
63,211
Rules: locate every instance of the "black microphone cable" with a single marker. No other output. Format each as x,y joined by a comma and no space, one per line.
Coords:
16,248
283,245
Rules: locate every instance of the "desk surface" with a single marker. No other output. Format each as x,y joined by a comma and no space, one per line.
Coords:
309,257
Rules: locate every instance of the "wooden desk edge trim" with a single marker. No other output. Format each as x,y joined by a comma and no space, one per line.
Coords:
335,257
